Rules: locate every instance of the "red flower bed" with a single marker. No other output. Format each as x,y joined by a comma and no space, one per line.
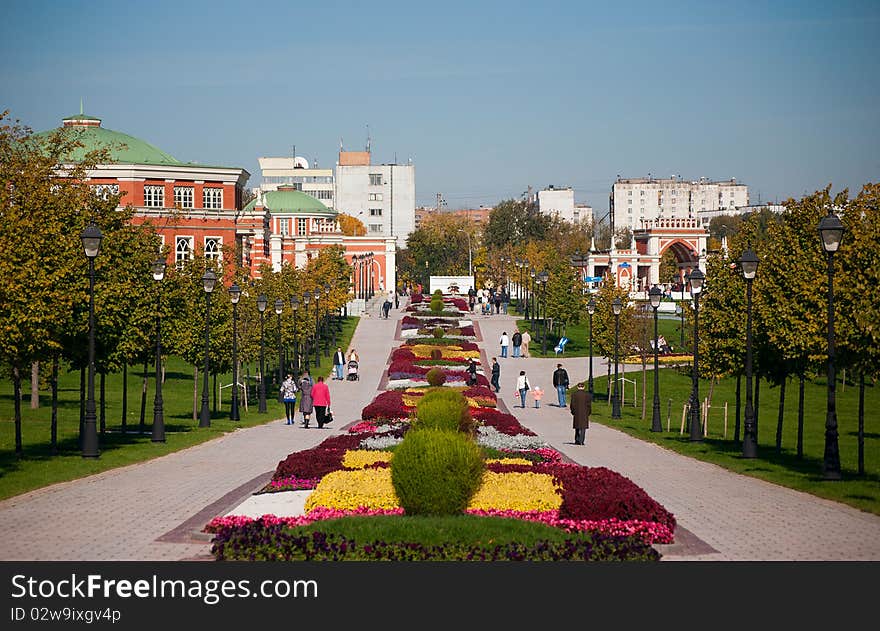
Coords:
402,353
388,405
467,330
481,392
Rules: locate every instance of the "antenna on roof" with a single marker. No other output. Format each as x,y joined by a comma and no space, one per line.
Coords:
80,106
368,139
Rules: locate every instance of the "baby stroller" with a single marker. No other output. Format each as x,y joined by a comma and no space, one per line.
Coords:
352,371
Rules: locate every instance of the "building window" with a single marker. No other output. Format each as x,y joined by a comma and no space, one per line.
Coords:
375,197
213,246
104,191
630,202
642,193
375,179
301,225
183,249
212,198
375,227
184,196
629,193
321,194
284,226
154,196
375,212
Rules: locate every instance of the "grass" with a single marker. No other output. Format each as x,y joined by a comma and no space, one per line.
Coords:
784,467
38,467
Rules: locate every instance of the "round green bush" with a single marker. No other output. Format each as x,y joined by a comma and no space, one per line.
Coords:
445,408
436,472
435,377
436,305
439,332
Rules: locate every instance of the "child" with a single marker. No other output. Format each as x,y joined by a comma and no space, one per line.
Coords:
537,393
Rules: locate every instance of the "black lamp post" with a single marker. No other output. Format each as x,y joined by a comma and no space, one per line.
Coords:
544,277
616,306
831,230
91,240
317,294
158,434
696,278
261,307
294,306
234,297
748,264
208,281
519,266
306,299
532,316
654,296
591,309
279,307
329,324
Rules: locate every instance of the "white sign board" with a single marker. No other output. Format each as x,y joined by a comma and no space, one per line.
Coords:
451,284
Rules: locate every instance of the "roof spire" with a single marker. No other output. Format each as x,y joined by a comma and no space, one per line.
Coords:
80,106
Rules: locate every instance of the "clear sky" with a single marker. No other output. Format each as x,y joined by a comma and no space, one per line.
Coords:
486,98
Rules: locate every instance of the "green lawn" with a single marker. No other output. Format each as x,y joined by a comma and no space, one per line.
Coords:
784,468
37,467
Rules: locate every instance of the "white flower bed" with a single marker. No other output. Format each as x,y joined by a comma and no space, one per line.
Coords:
488,436
380,442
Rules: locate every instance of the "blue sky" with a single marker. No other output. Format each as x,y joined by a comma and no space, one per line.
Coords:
486,98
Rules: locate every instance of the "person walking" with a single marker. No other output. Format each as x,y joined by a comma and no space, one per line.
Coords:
505,300
338,363
581,408
522,386
497,301
321,401
560,382
288,395
505,342
537,394
496,375
353,356
526,338
386,307
305,402
516,339
472,372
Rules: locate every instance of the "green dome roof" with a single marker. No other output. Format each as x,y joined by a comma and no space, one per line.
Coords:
124,149
289,200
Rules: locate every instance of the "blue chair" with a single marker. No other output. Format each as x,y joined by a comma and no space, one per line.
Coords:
560,348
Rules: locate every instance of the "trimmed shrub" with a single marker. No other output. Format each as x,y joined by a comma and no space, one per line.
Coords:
436,353
443,408
436,305
438,332
435,377
436,472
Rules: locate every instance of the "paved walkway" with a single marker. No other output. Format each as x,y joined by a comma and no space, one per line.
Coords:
153,510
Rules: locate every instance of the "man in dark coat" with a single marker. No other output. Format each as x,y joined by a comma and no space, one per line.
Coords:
581,408
496,375
560,382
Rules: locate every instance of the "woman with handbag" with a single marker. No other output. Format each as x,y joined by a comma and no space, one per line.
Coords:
321,401
288,395
305,404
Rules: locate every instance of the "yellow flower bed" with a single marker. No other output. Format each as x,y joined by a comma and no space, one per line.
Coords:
361,458
516,491
508,461
447,351
348,490
372,488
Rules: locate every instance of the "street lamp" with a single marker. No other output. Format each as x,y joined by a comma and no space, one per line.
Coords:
616,306
261,307
294,306
591,309
470,263
544,277
234,297
532,316
208,281
328,324
279,307
831,230
696,278
519,266
317,295
158,435
91,240
748,264
306,299
654,296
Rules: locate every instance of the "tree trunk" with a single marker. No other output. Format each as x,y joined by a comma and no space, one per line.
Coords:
800,430
35,385
103,405
16,395
142,427
862,424
195,393
53,444
781,413
738,407
124,395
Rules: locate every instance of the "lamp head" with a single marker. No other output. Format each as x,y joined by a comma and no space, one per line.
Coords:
616,306
294,303
91,240
696,278
279,306
831,231
591,306
159,269
307,296
261,303
748,263
234,293
654,296
209,280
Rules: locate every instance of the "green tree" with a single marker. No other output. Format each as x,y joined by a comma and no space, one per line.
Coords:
512,222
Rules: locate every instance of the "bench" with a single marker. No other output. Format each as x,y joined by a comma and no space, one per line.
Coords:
560,347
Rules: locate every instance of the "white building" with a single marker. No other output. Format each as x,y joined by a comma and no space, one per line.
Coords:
559,202
381,196
635,199
296,172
